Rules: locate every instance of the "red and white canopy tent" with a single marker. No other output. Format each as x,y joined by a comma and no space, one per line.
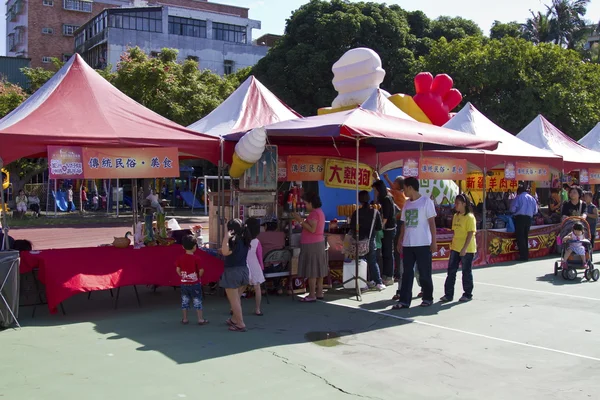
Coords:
542,134
592,139
472,121
79,107
362,129
250,106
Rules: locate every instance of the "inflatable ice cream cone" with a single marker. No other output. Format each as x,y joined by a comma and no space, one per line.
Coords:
248,151
238,166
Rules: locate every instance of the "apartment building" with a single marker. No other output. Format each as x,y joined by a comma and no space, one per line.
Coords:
42,29
219,37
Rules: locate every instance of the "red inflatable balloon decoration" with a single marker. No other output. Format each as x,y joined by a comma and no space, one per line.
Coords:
436,97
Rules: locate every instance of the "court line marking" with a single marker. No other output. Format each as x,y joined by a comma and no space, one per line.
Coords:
530,290
531,346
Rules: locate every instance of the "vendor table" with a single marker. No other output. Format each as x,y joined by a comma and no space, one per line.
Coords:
500,246
66,272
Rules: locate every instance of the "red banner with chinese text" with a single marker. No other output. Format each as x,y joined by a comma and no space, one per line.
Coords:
65,162
341,174
305,168
130,163
526,171
443,168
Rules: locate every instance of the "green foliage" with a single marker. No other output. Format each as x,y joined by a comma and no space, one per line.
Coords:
562,23
39,76
454,28
298,67
510,29
177,91
10,97
512,80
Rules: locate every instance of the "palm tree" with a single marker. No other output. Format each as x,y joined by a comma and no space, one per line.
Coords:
567,24
537,29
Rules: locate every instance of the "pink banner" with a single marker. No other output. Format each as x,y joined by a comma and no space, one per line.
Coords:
65,162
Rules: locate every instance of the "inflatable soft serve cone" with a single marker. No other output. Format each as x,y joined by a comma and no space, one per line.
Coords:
248,151
356,74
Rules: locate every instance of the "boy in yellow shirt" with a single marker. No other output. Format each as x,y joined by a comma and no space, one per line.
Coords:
462,250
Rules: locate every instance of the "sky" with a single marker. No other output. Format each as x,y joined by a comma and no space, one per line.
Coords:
273,13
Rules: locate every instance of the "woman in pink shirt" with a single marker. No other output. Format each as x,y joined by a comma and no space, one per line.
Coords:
313,259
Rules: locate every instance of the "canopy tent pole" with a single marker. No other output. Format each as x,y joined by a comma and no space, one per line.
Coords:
48,196
356,278
205,196
134,205
118,197
4,245
484,212
55,196
195,192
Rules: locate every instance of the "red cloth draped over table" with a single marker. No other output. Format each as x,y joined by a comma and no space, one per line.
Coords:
66,272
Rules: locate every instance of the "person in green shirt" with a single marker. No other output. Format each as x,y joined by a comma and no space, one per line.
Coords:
564,194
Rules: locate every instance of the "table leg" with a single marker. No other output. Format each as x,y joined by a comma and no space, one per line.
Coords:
117,298
137,296
62,308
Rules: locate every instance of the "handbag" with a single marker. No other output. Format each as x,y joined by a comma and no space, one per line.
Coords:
351,244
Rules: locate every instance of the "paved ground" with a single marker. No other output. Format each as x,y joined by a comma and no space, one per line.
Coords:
527,335
86,235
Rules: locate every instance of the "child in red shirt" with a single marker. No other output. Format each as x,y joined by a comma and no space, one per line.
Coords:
188,268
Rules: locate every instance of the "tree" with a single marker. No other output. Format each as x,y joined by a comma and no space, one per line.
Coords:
10,97
177,91
567,25
454,28
39,76
298,67
510,29
537,29
513,80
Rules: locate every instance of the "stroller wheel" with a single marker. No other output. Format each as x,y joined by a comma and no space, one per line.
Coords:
595,274
571,274
556,268
587,274
564,274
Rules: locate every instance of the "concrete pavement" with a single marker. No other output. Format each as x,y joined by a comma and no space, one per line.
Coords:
526,335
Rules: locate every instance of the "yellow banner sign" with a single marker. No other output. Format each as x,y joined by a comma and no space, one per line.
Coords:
341,174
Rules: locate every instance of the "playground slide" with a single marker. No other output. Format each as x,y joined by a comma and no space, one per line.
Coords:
189,199
61,201
127,201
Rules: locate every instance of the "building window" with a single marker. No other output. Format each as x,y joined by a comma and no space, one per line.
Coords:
46,60
229,33
147,21
228,67
47,31
66,57
12,44
78,5
48,3
187,27
69,30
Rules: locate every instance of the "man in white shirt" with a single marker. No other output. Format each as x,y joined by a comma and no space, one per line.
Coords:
418,241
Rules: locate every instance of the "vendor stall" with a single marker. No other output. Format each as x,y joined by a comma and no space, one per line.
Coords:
101,133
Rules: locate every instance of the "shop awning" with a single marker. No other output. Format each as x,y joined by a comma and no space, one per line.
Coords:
78,107
378,131
251,106
542,134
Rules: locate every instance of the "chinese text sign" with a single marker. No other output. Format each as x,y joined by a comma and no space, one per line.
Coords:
443,168
305,168
123,163
342,174
532,172
65,162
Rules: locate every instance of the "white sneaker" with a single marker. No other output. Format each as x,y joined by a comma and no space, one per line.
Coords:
381,287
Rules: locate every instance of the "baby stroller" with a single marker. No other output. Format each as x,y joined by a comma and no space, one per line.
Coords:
574,263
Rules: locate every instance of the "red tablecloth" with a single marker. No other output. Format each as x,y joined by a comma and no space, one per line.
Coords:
66,272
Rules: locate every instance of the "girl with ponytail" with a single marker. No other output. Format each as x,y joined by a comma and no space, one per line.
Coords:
236,244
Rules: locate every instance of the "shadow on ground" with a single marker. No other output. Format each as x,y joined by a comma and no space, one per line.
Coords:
156,325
